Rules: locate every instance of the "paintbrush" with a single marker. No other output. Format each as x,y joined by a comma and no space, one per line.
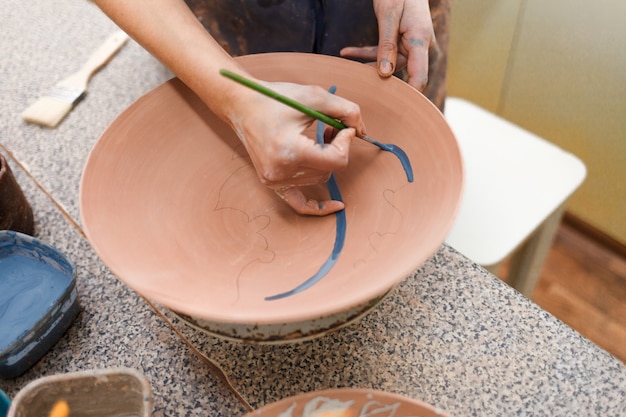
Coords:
51,108
394,149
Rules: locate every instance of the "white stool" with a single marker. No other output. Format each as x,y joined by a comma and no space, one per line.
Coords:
516,186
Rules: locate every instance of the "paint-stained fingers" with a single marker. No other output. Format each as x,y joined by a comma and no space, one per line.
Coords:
332,156
335,106
370,55
417,66
408,23
388,15
366,53
316,162
303,205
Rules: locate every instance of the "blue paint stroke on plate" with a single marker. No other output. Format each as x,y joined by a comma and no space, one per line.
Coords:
340,235
400,154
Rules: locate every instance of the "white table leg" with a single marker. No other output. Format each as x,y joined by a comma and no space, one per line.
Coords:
527,261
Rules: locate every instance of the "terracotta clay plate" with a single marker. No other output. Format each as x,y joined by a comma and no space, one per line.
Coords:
348,402
172,205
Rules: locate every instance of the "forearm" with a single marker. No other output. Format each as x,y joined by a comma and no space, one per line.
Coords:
273,134
170,32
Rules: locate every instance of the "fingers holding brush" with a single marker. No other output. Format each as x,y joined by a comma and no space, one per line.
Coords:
303,162
284,157
308,206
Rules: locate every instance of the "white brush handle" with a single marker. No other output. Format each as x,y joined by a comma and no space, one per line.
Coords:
103,54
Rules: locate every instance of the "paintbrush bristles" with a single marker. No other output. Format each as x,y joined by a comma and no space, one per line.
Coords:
47,111
50,109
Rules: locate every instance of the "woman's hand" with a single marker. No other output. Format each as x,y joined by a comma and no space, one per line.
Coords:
406,34
283,156
272,133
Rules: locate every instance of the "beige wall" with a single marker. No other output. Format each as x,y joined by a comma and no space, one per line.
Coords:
558,69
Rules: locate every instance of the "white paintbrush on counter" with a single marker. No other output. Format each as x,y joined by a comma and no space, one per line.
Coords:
50,109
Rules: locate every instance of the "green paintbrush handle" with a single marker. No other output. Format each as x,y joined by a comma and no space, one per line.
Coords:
285,100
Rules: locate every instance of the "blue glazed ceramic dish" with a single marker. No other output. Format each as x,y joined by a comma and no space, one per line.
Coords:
38,300
5,403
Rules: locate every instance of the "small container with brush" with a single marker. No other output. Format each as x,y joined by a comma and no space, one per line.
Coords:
111,392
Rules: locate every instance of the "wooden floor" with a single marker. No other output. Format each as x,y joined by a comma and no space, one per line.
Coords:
584,285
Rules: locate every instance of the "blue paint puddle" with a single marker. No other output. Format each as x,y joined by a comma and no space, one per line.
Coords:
38,300
28,290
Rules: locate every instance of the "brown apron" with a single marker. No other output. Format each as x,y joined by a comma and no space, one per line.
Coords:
317,26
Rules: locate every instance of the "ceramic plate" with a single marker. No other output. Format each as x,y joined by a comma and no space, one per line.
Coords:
348,402
172,205
281,333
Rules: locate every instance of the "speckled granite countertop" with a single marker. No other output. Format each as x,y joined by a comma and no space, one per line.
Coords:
451,334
